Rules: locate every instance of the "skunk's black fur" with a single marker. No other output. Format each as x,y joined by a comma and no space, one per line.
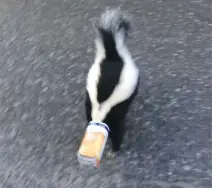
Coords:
110,71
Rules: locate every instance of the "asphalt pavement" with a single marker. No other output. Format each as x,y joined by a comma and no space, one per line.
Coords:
46,49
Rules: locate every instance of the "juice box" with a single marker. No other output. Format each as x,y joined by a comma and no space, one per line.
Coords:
93,144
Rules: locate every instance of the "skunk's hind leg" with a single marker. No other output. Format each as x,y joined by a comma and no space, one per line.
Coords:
117,134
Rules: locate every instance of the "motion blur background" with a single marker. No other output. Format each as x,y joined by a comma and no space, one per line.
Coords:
46,49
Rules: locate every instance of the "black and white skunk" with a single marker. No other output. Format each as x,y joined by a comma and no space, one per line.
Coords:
113,79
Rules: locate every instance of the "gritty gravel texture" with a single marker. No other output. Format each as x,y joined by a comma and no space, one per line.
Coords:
46,48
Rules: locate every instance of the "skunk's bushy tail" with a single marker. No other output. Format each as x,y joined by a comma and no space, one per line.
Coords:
113,29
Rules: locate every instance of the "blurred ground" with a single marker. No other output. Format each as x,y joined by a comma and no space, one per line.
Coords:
46,48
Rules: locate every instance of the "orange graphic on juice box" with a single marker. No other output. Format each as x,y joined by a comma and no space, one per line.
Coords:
93,143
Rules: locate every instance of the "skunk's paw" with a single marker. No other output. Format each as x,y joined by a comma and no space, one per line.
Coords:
111,154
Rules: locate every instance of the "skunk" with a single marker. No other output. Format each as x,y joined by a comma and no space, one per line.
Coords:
113,79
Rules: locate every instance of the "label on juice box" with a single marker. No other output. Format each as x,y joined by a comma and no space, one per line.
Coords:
93,143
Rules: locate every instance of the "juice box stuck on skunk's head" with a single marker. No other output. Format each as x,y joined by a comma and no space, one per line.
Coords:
93,144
